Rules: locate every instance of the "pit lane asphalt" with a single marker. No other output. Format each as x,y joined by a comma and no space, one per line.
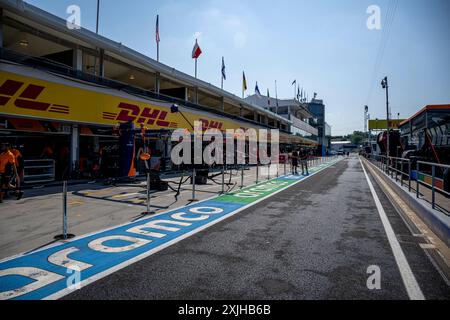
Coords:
314,240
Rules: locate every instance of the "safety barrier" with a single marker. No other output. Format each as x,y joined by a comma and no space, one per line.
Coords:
400,168
436,185
39,171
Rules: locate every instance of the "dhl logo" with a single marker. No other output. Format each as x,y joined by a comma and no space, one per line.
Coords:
151,116
134,113
28,97
210,124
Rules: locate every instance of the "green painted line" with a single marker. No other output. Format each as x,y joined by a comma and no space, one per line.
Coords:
256,192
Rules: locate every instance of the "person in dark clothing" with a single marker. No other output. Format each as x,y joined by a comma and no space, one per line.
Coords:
20,167
295,157
304,161
7,170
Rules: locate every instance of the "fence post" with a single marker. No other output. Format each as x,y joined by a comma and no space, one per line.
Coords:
417,181
401,174
257,171
64,235
223,178
193,185
392,167
433,195
242,176
396,170
409,175
65,209
148,212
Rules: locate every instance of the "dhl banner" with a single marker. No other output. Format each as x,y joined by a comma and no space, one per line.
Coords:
65,100
30,97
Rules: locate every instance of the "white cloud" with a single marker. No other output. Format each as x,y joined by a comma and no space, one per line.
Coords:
230,25
239,39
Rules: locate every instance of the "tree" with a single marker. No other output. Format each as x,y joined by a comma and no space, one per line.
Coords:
357,137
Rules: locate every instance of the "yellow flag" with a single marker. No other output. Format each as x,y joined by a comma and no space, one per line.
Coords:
244,82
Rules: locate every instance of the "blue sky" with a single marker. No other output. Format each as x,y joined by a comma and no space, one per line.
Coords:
324,44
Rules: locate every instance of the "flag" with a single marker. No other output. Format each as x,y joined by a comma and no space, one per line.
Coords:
298,94
224,76
257,90
158,39
301,95
268,97
294,82
196,51
244,82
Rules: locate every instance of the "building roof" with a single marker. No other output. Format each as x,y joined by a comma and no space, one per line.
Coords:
295,104
55,23
425,109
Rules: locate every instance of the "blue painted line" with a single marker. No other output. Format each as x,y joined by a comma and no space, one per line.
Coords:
96,251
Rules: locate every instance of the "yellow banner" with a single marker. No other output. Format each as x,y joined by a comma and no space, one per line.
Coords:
30,97
39,99
381,124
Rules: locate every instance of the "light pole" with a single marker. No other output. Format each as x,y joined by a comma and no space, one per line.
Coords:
366,110
96,31
98,14
385,85
369,132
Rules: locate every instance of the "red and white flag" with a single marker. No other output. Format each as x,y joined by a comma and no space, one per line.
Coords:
196,52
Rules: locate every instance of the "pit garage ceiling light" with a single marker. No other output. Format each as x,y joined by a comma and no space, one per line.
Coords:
23,40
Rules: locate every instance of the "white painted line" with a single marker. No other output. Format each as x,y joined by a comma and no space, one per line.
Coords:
125,195
124,264
427,246
409,280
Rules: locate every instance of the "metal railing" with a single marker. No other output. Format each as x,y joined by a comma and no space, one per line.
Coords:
396,168
399,168
39,171
434,180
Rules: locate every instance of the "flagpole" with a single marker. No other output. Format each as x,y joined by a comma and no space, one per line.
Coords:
98,13
276,96
196,68
157,51
243,79
157,38
221,76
